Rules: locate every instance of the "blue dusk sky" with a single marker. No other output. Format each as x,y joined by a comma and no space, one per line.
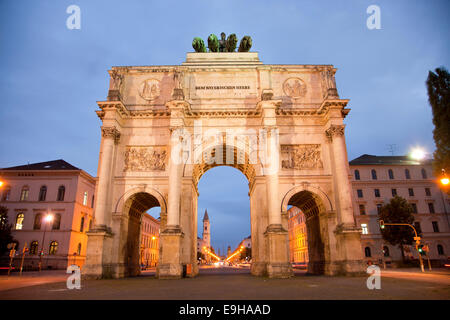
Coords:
51,77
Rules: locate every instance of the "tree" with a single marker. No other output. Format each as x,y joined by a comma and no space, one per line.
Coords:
398,210
439,98
5,230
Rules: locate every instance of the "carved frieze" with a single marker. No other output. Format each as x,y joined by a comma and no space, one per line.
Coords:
301,156
145,159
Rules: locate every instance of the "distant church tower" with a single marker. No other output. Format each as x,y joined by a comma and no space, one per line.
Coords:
206,231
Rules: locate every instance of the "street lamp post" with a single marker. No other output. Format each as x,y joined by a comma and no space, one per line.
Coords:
47,218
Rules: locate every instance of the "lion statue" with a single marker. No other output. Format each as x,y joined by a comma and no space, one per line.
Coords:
198,44
231,43
246,44
213,43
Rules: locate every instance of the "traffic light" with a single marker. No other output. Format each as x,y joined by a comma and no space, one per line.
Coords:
381,224
420,249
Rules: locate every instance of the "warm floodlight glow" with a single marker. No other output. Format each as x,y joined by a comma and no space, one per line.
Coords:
1,183
418,154
153,238
48,218
445,181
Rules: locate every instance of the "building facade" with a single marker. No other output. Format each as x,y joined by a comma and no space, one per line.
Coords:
377,179
149,241
54,189
298,237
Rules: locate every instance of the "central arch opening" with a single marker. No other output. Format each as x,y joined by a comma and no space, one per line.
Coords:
223,221
306,232
223,176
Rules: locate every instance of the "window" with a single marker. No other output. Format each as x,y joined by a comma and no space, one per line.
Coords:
6,194
364,228
82,224
431,207
37,221
440,250
79,249
24,193
61,193
92,202
407,175
19,221
56,222
424,173
391,174
374,174
411,192
42,193
377,193
85,196
435,226
360,193
357,177
379,205
367,252
90,224
34,247
414,207
394,192
362,209
386,251
428,192
53,247
418,227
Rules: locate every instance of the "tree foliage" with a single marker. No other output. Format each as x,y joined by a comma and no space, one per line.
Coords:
439,97
398,210
5,230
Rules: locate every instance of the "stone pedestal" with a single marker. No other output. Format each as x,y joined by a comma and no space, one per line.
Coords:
98,253
348,249
170,266
278,265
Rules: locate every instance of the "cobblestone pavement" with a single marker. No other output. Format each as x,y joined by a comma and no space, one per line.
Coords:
230,283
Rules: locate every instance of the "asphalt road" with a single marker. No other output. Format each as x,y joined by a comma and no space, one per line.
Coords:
232,283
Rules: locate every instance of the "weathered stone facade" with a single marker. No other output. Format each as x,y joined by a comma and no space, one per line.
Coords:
280,125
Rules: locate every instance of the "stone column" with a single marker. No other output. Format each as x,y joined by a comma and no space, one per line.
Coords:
276,237
100,239
348,237
171,237
335,134
110,136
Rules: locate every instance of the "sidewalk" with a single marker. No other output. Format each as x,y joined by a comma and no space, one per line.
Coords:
31,278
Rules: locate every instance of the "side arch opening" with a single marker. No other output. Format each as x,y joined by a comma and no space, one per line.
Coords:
307,247
142,234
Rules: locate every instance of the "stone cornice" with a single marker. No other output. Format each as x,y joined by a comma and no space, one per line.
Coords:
329,103
112,105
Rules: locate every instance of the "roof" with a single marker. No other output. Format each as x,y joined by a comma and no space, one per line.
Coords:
205,217
48,165
367,159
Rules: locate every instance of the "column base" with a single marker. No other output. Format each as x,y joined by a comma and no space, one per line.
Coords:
98,253
278,265
258,269
170,266
348,245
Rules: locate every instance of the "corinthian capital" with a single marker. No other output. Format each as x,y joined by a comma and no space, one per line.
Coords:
111,133
334,130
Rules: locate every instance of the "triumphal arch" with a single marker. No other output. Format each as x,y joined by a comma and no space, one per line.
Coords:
163,127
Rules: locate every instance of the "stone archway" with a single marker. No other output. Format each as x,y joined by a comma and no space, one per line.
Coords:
153,142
